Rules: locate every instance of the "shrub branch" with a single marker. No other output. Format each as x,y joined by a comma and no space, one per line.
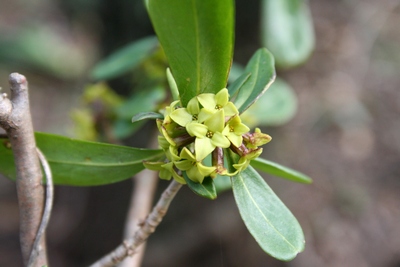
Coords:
15,119
129,246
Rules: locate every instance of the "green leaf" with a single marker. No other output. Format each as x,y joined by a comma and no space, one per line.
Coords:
269,221
147,115
124,59
222,183
287,31
276,107
235,72
238,83
143,101
123,128
205,189
261,67
81,163
197,37
280,171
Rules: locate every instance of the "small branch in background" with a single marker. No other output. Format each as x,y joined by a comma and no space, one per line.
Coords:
15,119
145,184
128,247
47,207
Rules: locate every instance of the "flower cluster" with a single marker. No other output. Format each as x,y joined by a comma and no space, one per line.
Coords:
208,124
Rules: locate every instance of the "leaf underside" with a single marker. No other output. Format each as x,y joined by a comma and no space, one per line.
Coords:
80,163
279,170
262,69
287,31
124,59
269,221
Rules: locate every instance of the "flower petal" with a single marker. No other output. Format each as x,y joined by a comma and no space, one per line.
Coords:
184,165
222,97
193,106
165,174
167,137
203,148
181,116
172,154
162,142
216,122
220,140
241,129
196,129
205,114
230,109
170,167
205,170
236,140
153,166
186,154
207,101
195,175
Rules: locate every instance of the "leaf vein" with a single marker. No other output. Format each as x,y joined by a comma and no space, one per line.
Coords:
262,214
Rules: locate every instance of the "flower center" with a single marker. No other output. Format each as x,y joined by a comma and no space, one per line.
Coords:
231,129
194,117
209,134
218,107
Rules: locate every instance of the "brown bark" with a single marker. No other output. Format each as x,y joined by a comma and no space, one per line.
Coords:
15,119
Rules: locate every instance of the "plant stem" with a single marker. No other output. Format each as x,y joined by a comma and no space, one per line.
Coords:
145,184
129,246
15,119
47,208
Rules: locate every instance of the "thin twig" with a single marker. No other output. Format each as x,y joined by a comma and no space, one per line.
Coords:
15,119
47,208
128,247
145,184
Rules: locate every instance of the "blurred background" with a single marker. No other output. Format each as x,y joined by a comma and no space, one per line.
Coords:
342,128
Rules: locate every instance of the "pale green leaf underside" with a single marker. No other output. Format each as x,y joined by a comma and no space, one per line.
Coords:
275,107
262,70
81,163
124,59
269,221
280,171
287,31
147,115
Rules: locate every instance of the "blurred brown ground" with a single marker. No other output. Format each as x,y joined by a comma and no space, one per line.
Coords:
346,136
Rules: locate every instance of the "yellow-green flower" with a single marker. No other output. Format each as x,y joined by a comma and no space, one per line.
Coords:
209,135
191,133
170,168
234,131
219,101
256,139
166,170
191,114
172,154
245,160
195,170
